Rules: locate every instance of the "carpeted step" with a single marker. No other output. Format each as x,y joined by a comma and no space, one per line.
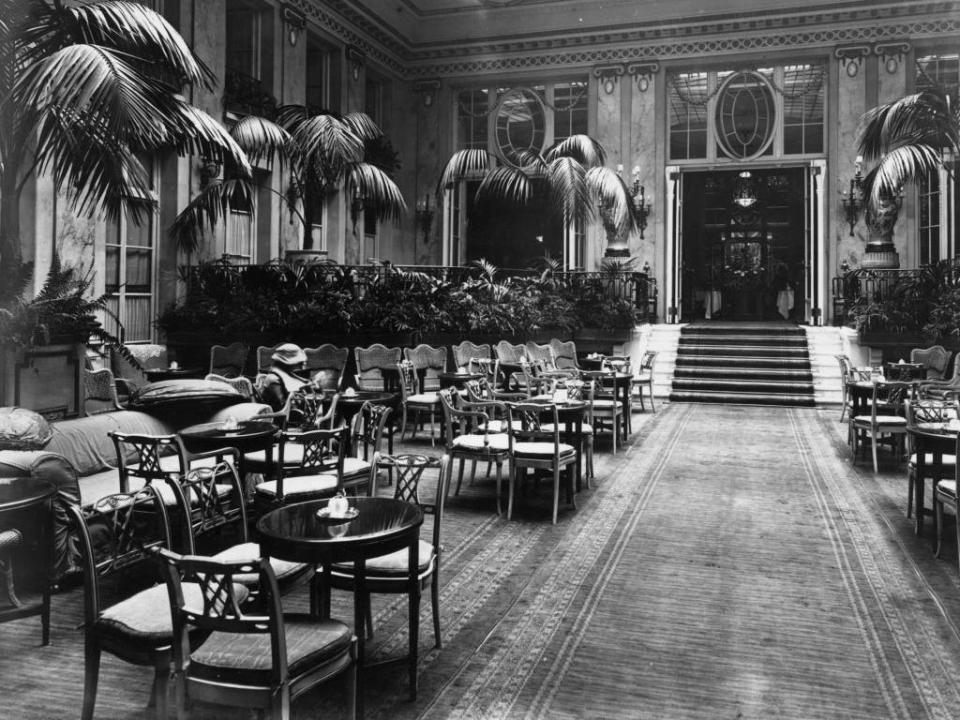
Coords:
767,373
749,339
742,398
742,350
742,385
743,361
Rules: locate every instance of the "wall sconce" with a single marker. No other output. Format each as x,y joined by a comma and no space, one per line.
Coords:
356,206
424,215
646,268
357,60
209,171
640,200
295,22
427,90
852,201
844,267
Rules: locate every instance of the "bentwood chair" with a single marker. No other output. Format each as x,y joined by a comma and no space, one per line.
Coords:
534,437
116,535
467,351
644,378
228,360
945,493
389,573
214,523
565,354
886,418
253,657
845,376
367,428
927,411
468,436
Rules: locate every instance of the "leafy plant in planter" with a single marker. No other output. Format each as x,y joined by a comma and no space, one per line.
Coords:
62,312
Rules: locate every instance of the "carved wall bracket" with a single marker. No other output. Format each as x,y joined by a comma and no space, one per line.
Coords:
892,54
851,57
609,76
641,72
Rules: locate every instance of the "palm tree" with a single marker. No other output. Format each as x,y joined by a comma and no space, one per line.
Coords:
325,152
909,138
580,186
83,88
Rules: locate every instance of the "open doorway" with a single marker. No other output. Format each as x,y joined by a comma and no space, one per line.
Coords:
743,244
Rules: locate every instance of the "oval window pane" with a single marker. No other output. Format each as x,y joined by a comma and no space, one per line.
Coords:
745,115
520,125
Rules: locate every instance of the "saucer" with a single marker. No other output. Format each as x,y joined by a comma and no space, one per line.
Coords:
324,514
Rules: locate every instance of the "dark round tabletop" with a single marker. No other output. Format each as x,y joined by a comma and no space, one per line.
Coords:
294,532
21,492
173,373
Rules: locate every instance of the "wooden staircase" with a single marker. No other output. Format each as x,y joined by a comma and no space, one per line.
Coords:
754,363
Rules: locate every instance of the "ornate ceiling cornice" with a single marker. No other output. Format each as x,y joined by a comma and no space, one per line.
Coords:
677,41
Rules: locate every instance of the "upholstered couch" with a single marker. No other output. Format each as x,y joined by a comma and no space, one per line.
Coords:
80,459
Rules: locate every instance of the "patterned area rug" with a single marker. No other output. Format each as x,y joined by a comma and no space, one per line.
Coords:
731,562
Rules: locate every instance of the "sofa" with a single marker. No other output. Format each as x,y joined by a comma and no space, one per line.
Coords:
80,459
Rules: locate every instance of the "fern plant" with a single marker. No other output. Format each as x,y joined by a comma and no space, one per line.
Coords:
62,312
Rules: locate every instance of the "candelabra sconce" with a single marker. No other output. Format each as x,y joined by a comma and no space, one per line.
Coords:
852,200
844,267
646,268
424,216
209,171
356,206
640,200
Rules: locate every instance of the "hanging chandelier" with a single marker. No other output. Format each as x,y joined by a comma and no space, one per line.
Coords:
743,190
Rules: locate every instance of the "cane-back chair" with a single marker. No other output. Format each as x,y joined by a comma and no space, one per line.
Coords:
326,366
376,367
228,360
466,351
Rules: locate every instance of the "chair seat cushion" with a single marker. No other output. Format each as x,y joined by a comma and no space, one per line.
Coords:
947,487
542,449
947,460
245,658
283,569
292,455
881,420
494,442
145,617
604,405
499,426
393,564
353,466
585,429
428,398
642,378
299,485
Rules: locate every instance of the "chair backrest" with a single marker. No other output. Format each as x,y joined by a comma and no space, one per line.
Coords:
509,353
534,382
533,422
148,451
935,360
219,606
542,354
488,367
241,383
204,509
647,361
428,362
372,362
618,363
465,351
366,429
309,408
463,417
582,391
99,392
265,356
889,398
564,353
228,360
150,356
408,472
326,366
408,379
115,534
323,452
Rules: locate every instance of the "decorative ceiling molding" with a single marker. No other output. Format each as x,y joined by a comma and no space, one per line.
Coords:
725,36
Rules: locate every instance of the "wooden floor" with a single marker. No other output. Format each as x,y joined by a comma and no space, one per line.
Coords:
730,562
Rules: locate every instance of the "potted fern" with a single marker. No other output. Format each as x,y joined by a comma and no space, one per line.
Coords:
44,340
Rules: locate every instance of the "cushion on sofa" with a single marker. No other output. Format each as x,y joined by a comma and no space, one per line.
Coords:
22,429
85,441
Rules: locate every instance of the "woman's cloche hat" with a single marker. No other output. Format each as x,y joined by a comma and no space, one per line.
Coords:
289,354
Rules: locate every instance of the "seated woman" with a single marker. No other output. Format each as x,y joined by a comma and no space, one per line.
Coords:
281,379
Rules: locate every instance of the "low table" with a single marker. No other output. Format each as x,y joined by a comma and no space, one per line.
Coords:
936,440
29,493
457,380
248,436
383,525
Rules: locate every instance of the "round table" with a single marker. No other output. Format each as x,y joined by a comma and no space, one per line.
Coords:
621,383
383,525
30,493
248,436
349,405
936,440
172,373
570,414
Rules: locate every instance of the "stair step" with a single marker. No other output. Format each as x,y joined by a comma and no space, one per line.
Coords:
741,350
744,339
746,373
742,398
713,328
745,361
749,385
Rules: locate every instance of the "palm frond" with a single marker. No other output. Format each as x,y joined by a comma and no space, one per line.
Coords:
609,191
327,142
899,165
568,189
142,32
261,139
582,148
508,184
91,79
362,125
379,191
207,209
924,118
462,164
191,131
